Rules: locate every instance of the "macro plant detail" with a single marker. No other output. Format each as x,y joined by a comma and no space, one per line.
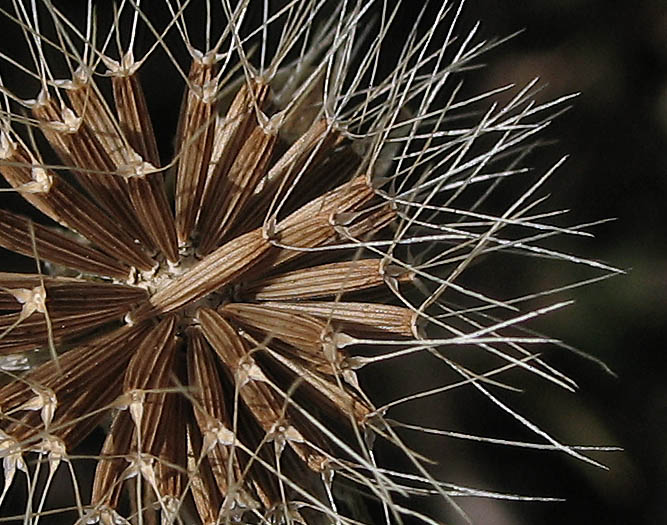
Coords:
214,309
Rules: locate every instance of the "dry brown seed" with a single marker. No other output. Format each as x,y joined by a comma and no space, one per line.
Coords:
340,166
68,206
297,240
157,355
66,294
306,338
57,248
34,332
78,145
135,122
268,406
203,486
147,407
172,478
75,419
342,401
17,166
109,475
231,133
226,264
241,180
145,393
299,161
214,423
301,331
152,208
88,104
195,142
358,227
74,381
320,281
325,360
348,197
204,382
370,319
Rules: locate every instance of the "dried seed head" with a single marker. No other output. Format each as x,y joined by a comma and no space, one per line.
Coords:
216,305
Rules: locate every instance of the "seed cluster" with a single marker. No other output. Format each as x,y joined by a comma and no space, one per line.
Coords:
211,310
215,333
205,368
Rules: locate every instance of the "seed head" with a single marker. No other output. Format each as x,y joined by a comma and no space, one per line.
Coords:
213,303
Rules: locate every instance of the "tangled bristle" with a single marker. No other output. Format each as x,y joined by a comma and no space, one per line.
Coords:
214,311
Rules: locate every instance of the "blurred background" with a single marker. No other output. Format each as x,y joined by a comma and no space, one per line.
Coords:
615,55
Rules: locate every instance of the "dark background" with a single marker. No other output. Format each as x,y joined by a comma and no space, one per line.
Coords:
615,54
